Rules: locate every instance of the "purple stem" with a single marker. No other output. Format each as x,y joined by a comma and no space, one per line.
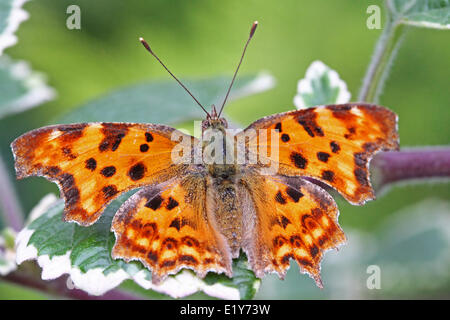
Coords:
410,164
58,287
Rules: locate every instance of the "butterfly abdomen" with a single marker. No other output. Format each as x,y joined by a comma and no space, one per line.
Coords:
227,213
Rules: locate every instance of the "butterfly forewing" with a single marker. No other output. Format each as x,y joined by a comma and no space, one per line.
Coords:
333,144
93,163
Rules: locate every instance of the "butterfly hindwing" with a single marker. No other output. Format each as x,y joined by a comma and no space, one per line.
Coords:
294,219
333,144
166,227
93,163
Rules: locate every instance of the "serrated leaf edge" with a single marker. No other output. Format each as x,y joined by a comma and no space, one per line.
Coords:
37,93
15,18
7,255
95,282
316,70
425,24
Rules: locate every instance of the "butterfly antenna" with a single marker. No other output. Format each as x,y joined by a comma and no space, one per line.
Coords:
252,32
146,45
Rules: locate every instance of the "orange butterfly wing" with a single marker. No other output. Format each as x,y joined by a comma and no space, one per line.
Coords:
93,163
333,144
167,228
294,219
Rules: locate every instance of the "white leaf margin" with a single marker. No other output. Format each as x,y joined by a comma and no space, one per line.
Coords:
95,282
16,17
35,82
7,255
424,23
419,19
315,71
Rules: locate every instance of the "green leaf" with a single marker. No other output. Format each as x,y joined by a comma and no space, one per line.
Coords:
85,254
320,86
243,278
421,13
20,87
166,102
11,15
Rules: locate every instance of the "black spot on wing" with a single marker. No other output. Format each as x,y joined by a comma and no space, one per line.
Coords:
109,191
334,147
154,203
172,204
298,160
306,127
314,251
279,241
152,256
148,137
137,172
72,131
190,242
113,134
91,164
360,159
278,126
361,176
168,263
188,259
52,171
286,257
285,137
294,194
175,224
328,175
108,171
285,221
296,241
117,142
144,147
68,153
71,192
279,198
170,243
308,121
323,156
304,262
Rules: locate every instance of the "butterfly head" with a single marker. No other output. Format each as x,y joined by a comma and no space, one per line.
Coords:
214,121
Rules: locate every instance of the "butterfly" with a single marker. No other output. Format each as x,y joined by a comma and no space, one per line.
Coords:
200,215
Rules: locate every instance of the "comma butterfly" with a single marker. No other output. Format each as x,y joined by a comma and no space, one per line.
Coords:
200,215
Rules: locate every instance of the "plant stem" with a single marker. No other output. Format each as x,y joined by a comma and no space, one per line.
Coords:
58,287
410,164
385,52
9,203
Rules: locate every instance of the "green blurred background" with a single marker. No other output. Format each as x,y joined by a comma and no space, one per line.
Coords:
198,39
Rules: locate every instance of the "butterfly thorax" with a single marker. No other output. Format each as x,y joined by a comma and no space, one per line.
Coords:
218,147
219,159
